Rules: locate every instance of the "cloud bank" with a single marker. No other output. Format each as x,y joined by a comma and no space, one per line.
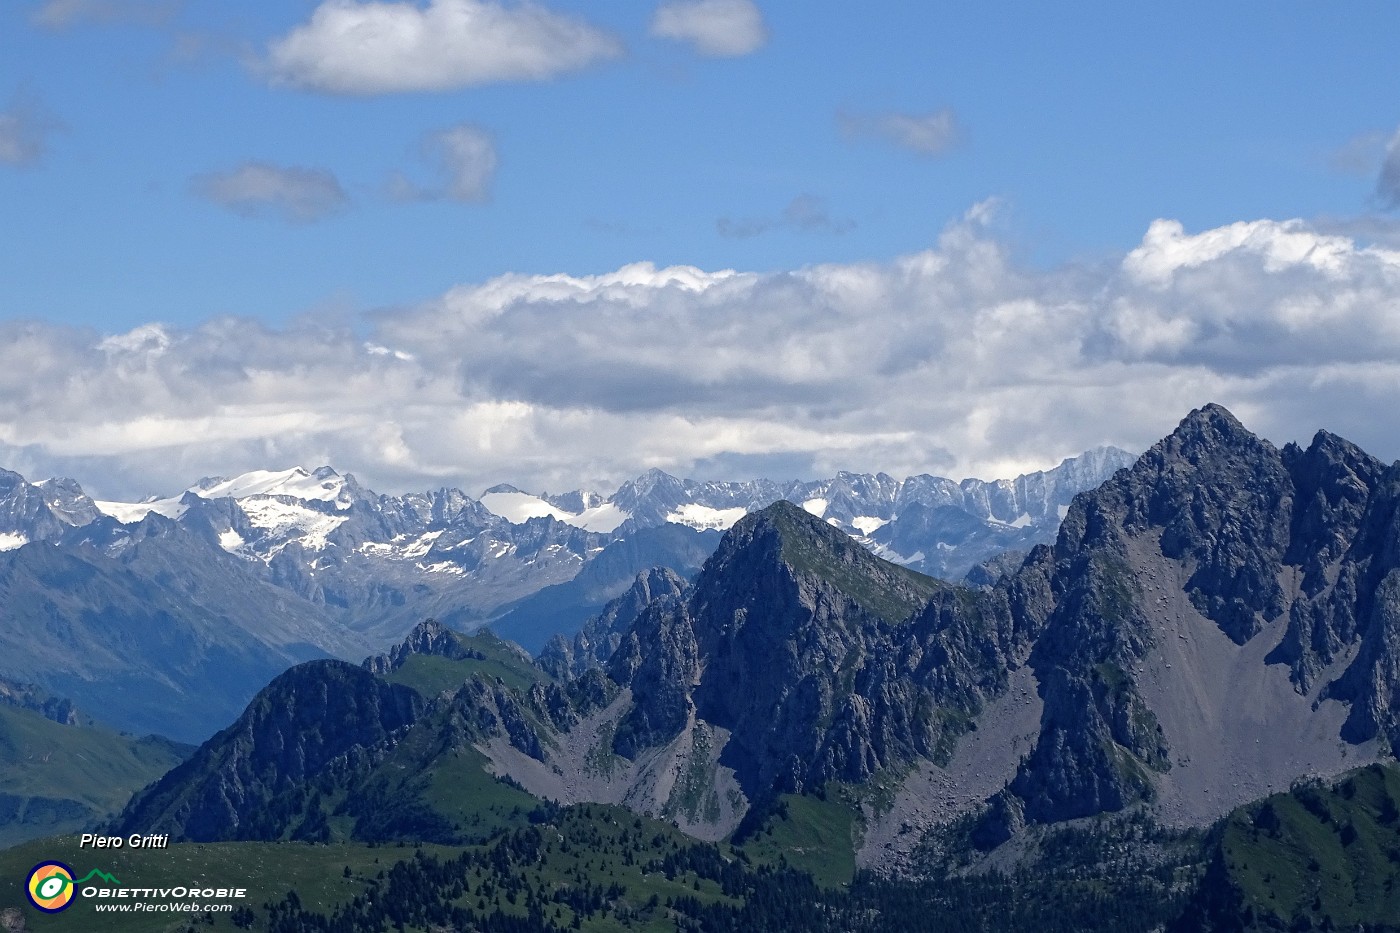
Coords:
956,360
350,47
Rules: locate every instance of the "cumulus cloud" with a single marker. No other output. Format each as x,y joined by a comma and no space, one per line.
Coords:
957,360
464,157
61,14
928,134
260,189
806,212
722,28
25,130
351,47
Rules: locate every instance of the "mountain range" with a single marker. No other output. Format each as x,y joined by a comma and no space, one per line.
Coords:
1211,625
167,615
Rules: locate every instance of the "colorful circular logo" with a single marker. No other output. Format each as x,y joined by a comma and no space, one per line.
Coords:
50,886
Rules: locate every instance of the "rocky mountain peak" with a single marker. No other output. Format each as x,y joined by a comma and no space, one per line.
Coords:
783,551
787,640
67,501
429,637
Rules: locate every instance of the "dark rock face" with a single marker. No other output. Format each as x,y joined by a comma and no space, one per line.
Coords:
299,723
1223,499
660,661
484,710
822,661
1361,608
1216,498
602,635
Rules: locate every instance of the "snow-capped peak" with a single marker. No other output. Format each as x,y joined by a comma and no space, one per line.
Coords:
325,485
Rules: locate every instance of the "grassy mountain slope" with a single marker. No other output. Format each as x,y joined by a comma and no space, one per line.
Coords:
58,778
1316,857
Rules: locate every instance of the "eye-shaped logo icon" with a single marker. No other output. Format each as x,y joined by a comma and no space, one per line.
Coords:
50,886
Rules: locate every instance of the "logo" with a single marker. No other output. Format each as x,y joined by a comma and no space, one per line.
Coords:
50,886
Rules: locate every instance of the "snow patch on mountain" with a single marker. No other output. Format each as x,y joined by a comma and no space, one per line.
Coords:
603,518
519,507
286,522
702,517
816,507
129,513
324,485
422,544
866,524
442,566
9,541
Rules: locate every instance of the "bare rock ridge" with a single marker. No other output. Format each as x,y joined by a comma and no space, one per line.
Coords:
1215,622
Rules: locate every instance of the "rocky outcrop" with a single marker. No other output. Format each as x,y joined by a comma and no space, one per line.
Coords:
660,661
36,699
602,635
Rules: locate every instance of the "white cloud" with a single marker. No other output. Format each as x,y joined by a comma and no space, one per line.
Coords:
61,14
25,129
350,47
928,134
465,159
260,189
956,360
722,28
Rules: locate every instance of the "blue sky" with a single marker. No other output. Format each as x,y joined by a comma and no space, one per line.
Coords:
174,165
